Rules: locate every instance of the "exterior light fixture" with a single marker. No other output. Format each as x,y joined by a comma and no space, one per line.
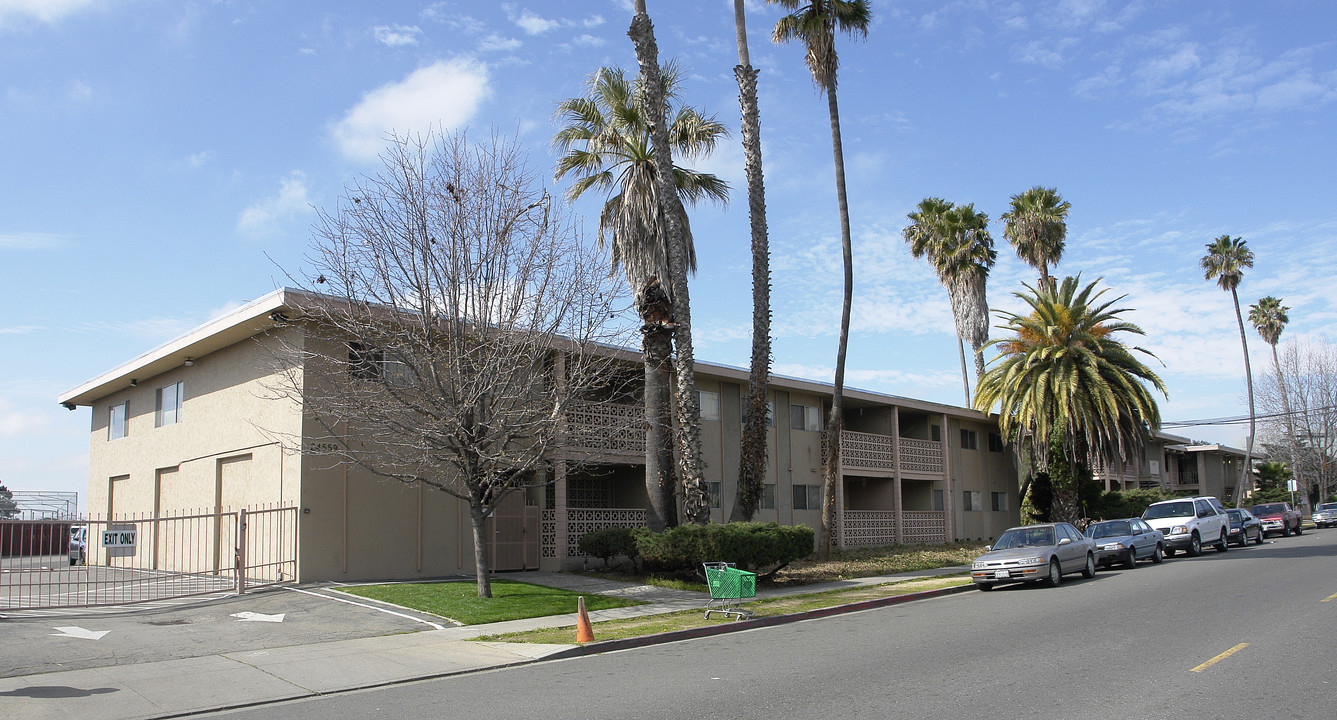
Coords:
189,362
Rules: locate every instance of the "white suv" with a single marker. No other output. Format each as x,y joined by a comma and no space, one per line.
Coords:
1190,523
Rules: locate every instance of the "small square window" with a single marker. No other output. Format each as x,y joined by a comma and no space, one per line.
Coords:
365,363
939,500
710,404
807,497
804,417
995,442
116,422
767,497
999,501
167,404
935,433
713,491
971,501
969,441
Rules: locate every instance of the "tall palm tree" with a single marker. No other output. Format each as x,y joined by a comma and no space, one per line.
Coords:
1063,379
605,144
956,241
695,498
1036,225
814,23
1224,262
752,456
1268,316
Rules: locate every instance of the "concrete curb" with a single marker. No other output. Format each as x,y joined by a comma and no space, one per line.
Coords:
740,625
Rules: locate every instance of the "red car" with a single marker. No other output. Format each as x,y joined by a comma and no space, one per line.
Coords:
1278,517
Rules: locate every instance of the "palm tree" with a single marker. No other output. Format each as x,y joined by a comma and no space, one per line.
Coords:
1063,380
814,24
752,456
956,241
696,499
1224,262
1269,318
1036,225
605,141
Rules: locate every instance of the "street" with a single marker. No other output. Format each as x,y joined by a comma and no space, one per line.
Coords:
1154,642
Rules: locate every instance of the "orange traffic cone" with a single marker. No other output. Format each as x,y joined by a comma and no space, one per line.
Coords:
584,633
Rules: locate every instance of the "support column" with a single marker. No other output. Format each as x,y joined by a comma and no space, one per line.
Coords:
948,511
896,473
560,521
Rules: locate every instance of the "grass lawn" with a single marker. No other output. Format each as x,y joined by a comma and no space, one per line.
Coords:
459,601
653,624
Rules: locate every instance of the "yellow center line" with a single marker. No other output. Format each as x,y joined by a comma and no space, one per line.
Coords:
1334,595
1220,657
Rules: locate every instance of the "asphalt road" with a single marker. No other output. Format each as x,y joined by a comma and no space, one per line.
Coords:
1145,643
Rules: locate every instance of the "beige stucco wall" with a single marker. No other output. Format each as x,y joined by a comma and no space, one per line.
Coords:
985,472
216,458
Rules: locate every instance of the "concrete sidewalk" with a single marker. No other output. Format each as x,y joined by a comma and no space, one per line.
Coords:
231,680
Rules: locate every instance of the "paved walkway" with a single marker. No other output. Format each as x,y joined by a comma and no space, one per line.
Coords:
229,680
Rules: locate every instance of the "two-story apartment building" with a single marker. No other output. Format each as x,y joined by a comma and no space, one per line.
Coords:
194,426
1176,465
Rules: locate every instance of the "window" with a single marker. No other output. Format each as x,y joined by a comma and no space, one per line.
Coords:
995,442
767,497
365,363
935,433
807,497
939,500
999,501
969,441
971,501
770,411
167,404
713,492
710,404
1155,467
804,417
116,422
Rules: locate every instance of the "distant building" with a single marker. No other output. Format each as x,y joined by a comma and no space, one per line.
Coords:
190,427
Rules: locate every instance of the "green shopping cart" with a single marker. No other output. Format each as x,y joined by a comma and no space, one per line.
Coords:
728,587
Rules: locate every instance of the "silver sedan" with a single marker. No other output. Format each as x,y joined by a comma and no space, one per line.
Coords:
1035,553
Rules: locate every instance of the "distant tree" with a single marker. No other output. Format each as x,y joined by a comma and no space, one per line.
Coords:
1268,316
752,454
1273,474
1065,383
8,508
1224,262
605,143
956,241
1036,225
459,315
814,24
1310,369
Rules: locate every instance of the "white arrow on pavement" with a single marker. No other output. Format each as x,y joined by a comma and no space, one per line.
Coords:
78,632
249,616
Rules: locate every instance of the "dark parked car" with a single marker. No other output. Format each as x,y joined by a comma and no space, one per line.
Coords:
1278,517
1126,541
1244,527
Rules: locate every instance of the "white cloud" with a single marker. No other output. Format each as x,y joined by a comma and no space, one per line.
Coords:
31,241
535,25
593,21
446,93
16,421
495,42
47,11
79,91
291,201
199,159
587,40
396,35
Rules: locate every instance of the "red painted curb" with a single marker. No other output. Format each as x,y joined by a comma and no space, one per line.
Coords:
595,648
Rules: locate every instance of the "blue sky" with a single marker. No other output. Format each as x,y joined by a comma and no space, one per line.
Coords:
160,162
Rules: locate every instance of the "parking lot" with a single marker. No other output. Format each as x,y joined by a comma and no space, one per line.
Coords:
53,640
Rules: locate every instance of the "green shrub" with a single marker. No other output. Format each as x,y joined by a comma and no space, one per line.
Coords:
759,547
609,543
1124,503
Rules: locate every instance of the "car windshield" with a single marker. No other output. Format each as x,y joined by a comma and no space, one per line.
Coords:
1269,509
1109,529
1025,537
1327,506
1235,516
1170,510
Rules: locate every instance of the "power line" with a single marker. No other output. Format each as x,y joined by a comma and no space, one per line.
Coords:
1237,420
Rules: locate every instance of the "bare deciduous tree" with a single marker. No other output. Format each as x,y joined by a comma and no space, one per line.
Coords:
458,316
1310,369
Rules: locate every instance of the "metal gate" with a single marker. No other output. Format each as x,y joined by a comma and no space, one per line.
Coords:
131,559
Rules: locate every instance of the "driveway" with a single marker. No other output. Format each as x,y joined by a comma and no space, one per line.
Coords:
40,642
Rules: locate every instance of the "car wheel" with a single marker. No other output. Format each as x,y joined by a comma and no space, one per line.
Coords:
1224,544
1055,575
1169,552
1258,540
1285,530
1299,529
1131,560
1157,556
1090,570
71,562
1195,546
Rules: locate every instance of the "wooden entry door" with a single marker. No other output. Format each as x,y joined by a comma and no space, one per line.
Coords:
514,530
